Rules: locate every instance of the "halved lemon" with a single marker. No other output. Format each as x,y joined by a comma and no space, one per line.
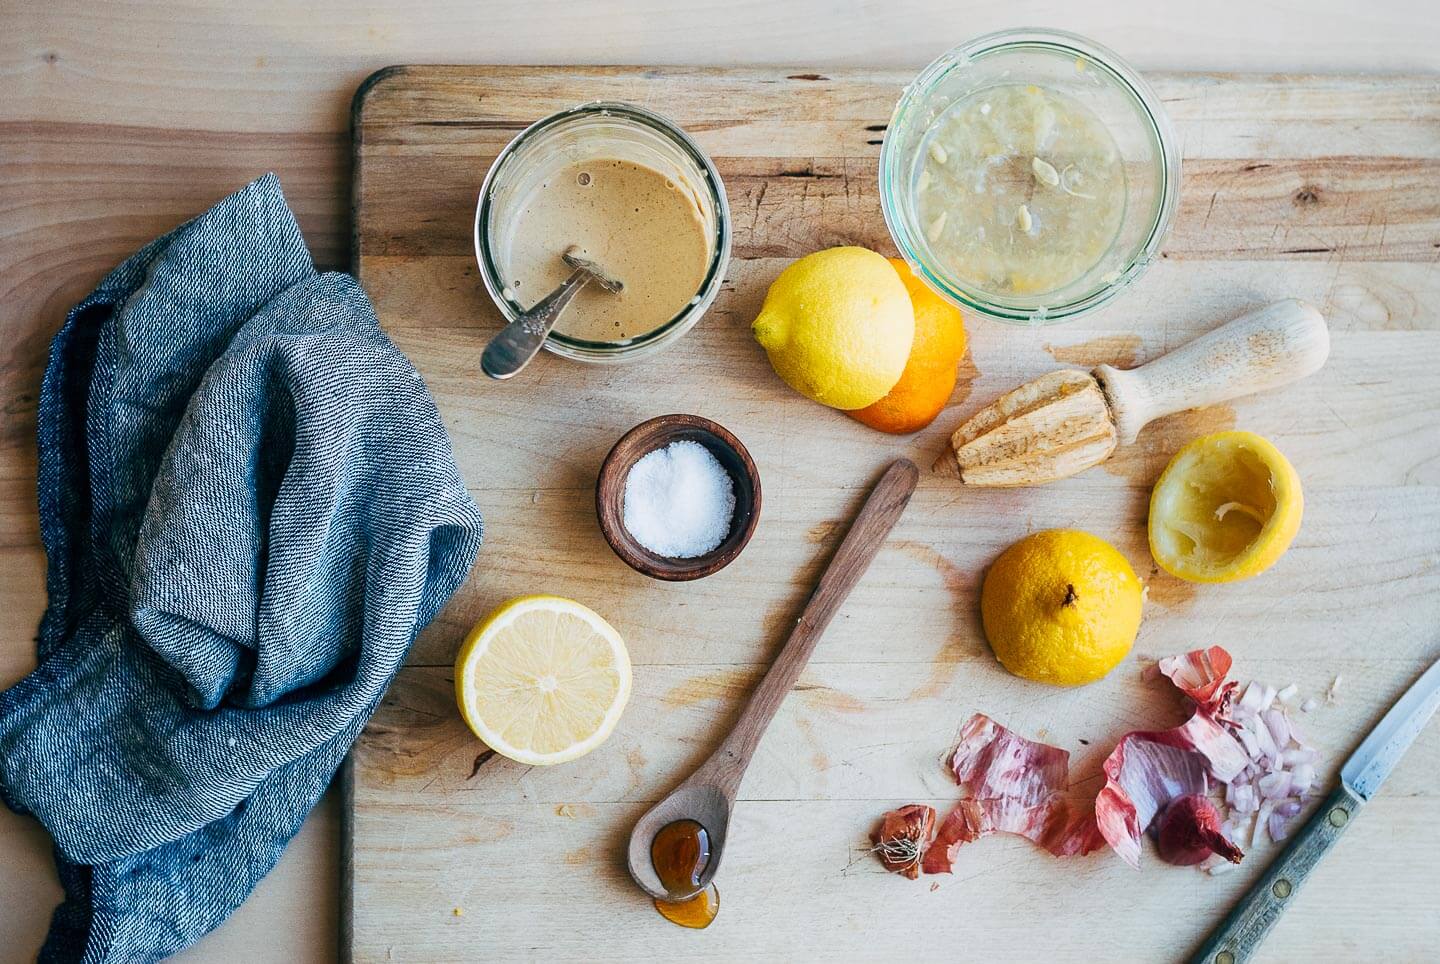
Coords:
542,679
1226,508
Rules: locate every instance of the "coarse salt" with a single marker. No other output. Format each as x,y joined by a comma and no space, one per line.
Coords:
679,501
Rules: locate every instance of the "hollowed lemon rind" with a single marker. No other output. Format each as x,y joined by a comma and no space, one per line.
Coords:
1181,495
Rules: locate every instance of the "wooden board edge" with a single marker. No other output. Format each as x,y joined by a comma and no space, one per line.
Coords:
346,776
357,139
823,74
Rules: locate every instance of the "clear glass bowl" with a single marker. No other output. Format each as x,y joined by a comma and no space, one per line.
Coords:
600,130
1072,66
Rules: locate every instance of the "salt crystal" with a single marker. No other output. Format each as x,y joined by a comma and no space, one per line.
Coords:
679,501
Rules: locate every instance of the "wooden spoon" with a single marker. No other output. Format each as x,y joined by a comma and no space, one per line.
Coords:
708,796
1067,421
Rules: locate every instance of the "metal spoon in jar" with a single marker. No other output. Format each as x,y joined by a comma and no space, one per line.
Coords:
517,343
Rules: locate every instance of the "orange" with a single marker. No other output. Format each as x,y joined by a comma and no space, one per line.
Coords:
929,376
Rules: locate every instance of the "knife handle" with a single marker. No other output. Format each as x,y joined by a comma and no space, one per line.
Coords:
1240,934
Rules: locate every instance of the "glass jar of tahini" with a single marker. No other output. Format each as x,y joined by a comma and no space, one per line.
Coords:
634,193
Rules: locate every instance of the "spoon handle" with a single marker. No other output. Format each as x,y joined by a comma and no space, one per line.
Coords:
517,343
867,533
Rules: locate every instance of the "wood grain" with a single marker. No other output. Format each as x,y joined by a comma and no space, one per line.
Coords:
1242,933
120,120
1286,194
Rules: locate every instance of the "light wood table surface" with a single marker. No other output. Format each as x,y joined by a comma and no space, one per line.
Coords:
118,120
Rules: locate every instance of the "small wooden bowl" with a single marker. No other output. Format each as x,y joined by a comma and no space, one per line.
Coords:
646,438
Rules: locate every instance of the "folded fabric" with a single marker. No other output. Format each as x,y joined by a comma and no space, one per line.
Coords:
250,508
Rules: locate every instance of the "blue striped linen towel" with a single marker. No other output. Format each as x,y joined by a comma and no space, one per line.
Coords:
250,508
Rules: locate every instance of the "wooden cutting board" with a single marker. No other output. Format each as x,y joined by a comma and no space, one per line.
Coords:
1327,188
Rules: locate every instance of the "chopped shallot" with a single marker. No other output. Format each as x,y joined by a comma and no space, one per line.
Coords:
1241,741
1274,786
1302,778
1281,768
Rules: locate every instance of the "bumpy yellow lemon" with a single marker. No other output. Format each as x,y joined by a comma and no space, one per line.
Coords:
542,679
1061,606
1226,508
837,325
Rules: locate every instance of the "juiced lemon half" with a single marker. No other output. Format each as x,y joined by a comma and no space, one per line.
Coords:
542,679
1225,508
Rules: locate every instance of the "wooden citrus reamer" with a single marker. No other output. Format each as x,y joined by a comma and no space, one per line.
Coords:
1067,421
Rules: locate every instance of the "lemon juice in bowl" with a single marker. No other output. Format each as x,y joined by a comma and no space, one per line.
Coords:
1020,189
1029,176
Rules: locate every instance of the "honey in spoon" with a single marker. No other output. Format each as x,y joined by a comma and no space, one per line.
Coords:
679,853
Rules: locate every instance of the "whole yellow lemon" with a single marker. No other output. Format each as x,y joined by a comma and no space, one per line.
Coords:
1061,607
838,325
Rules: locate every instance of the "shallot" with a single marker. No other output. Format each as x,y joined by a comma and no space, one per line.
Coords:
902,838
1240,740
1190,832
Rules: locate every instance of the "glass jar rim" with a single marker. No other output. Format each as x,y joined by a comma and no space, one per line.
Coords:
1127,79
580,348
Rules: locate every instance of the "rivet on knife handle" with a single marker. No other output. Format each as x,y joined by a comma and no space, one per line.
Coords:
1240,934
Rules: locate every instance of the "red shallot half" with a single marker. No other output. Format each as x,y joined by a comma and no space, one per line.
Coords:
1190,833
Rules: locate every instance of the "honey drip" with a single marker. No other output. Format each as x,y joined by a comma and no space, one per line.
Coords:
680,853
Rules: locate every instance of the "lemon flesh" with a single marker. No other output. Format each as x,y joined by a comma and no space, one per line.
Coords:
1061,607
542,680
1225,508
837,326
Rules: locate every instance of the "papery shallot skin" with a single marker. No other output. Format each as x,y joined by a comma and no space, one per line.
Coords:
1018,785
903,837
1015,785
1148,770
1201,674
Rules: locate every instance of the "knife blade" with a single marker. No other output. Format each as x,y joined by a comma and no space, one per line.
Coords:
1240,934
1378,753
